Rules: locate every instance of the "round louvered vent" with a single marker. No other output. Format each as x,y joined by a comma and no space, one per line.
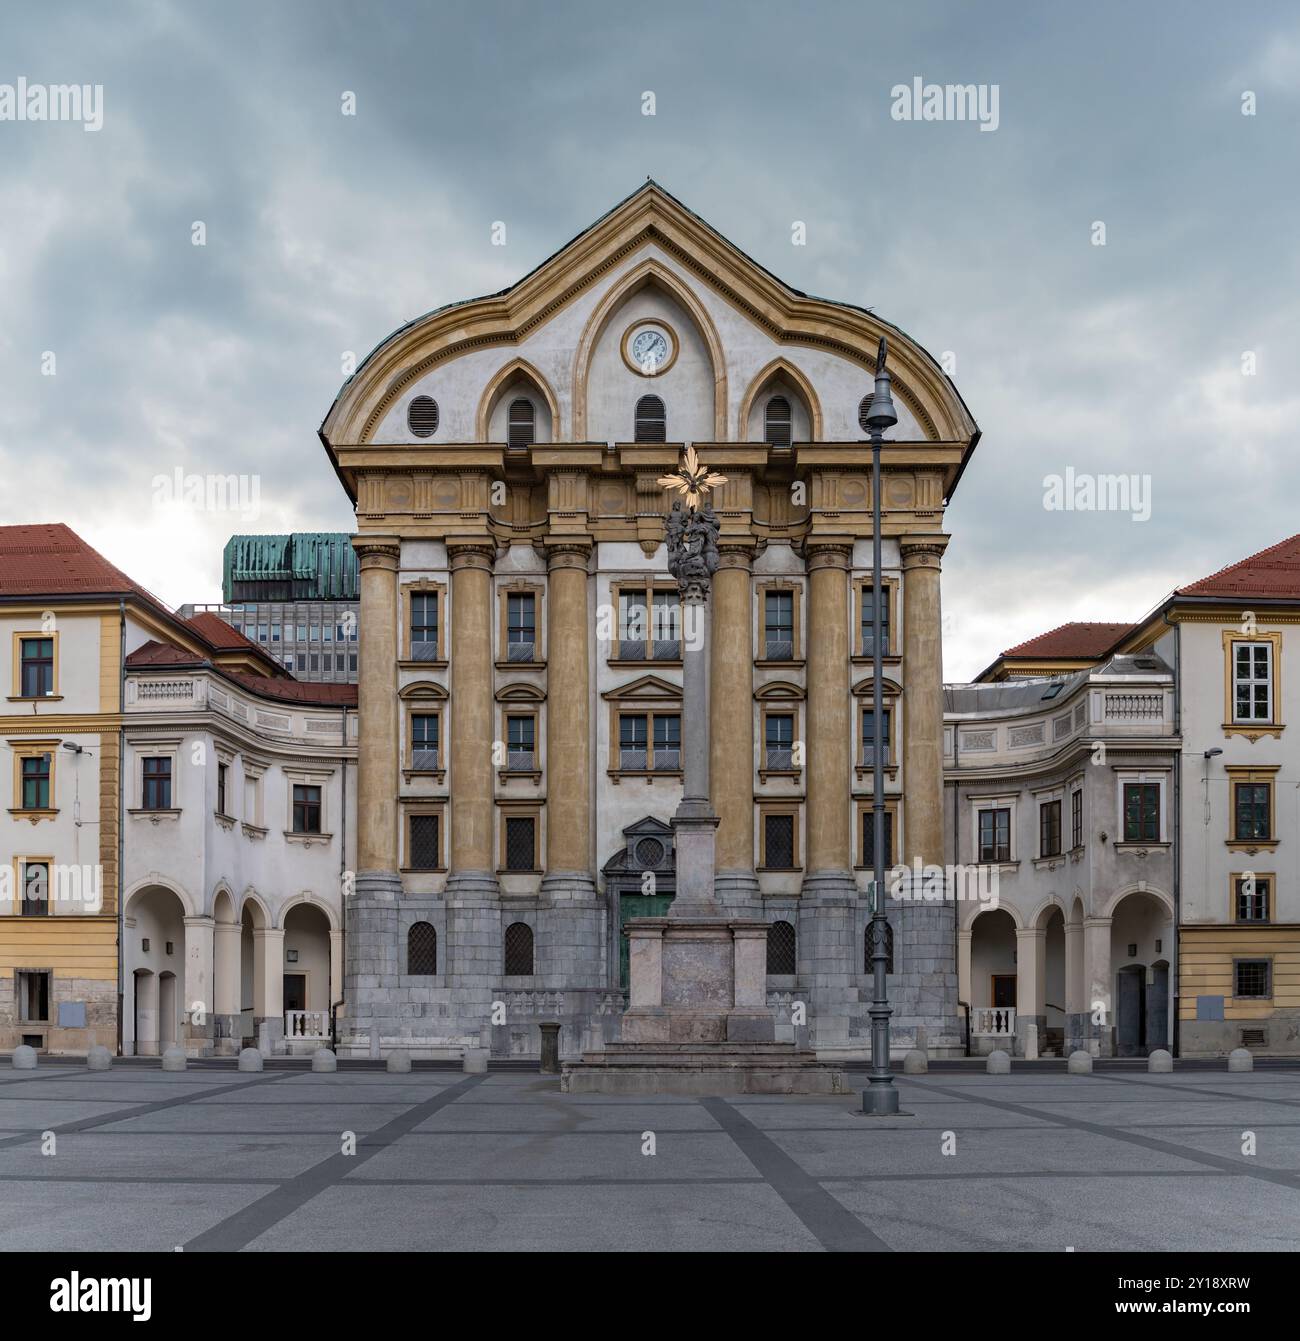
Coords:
422,416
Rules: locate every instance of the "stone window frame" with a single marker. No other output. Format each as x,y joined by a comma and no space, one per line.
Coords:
783,699
142,748
436,917
776,808
419,806
762,589
521,708
863,808
423,586
1233,878
508,810
1253,775
523,586
225,759
1075,788
17,695
637,698
1135,777
307,777
649,585
253,824
995,801
1250,728
425,699
51,1005
14,906
1255,959
33,748
891,703
861,591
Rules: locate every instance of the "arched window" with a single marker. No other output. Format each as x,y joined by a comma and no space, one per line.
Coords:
519,949
777,423
422,416
521,427
864,409
780,948
651,420
422,950
867,966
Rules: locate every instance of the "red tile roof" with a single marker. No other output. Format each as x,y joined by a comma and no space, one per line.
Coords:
213,629
1272,572
1071,641
154,653
296,691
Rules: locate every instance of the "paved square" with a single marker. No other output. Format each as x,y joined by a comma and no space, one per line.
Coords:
215,1160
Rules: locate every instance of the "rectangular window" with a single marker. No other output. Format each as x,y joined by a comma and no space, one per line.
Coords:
869,838
1252,682
521,845
778,626
521,743
779,732
665,626
275,633
521,626
222,773
1252,808
36,782
869,736
668,741
1252,977
778,842
868,606
1141,812
36,888
1049,829
306,809
995,835
1076,819
1252,898
33,993
424,853
37,679
157,777
634,740
649,625
302,633
424,741
424,625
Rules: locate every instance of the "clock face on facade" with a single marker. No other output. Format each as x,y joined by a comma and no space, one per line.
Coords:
649,348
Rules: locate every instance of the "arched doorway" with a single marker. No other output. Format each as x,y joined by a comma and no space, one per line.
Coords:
640,881
1140,932
306,974
993,981
154,964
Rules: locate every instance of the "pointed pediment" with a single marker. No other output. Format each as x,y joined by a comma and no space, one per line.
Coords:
647,689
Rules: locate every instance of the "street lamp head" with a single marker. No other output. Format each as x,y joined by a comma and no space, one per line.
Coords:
880,413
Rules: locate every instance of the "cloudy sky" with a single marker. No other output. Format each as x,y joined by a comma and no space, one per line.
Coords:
325,232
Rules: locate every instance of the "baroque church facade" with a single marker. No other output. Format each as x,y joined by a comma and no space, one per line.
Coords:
519,752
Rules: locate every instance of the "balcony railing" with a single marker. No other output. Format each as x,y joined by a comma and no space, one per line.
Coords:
994,1021
309,1024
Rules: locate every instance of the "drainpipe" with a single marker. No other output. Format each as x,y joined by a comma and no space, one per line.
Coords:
121,816
1178,833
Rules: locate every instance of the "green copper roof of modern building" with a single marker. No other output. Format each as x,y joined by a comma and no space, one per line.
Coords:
302,566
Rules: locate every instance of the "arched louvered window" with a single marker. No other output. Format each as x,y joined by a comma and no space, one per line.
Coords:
422,416
522,425
867,965
651,420
864,409
519,949
777,423
780,948
422,950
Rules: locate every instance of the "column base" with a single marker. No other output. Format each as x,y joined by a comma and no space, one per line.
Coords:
471,885
378,886
738,892
569,887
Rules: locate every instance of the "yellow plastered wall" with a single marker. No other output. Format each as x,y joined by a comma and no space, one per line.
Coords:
1205,968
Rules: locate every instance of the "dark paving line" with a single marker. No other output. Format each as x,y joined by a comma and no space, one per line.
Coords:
148,1179
1276,1176
1156,1087
583,1180
240,1229
1012,1174
139,1110
835,1227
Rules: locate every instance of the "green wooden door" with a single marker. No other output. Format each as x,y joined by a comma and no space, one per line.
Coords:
636,905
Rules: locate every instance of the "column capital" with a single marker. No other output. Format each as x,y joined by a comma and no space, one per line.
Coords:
922,551
828,554
735,554
471,554
378,551
568,554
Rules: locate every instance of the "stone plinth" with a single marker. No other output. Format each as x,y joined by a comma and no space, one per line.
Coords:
701,1068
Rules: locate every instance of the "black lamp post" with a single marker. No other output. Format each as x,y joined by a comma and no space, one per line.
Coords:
880,1098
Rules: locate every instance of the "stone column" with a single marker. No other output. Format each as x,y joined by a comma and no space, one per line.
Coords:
198,1007
922,699
1100,1003
1076,1015
472,727
146,1014
226,975
830,733
570,942
964,965
731,745
377,751
268,986
1031,969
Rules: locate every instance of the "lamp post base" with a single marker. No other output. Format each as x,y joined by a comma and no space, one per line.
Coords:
881,1101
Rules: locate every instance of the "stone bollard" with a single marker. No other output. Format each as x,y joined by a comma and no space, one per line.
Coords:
99,1058
24,1058
915,1063
1239,1059
250,1059
324,1060
1031,1042
173,1058
1079,1063
1160,1062
999,1063
475,1063
550,1048
398,1062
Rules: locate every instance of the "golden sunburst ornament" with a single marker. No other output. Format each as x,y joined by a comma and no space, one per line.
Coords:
692,479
